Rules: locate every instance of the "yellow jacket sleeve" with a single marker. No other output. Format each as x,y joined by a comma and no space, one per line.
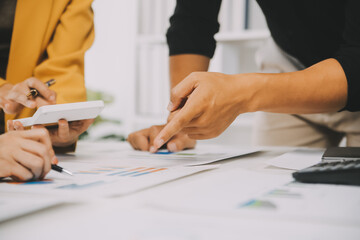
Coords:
64,58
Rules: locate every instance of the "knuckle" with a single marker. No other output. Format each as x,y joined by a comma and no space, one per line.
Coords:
15,88
43,132
202,122
180,144
155,128
31,81
131,136
178,122
174,92
194,74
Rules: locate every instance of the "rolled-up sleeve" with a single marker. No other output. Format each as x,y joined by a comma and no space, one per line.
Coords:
193,26
349,54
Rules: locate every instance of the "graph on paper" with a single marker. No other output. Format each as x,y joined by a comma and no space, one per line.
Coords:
192,157
94,176
122,171
104,180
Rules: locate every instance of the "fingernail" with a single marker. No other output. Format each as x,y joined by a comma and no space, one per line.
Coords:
55,160
52,98
170,106
7,105
172,147
152,149
159,143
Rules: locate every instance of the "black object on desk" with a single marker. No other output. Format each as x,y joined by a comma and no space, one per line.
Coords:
61,170
339,165
341,154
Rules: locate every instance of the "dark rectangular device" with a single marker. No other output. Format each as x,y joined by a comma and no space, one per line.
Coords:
341,154
334,172
340,165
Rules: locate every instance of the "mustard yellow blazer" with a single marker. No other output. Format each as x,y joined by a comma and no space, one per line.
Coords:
49,40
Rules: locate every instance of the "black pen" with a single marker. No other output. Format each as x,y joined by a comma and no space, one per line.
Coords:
60,169
34,92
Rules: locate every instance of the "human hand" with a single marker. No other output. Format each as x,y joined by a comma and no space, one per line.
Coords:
212,102
13,98
65,134
26,155
143,140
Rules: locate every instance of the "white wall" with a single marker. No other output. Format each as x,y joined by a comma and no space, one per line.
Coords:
110,62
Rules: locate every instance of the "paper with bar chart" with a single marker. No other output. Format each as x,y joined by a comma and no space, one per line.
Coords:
194,157
246,192
102,178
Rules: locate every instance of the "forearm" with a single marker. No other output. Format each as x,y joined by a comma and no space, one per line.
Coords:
182,65
318,89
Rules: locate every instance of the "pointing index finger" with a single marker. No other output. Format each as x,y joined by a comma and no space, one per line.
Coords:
175,125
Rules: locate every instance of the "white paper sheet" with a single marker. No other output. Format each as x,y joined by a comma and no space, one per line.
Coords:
14,205
258,195
319,202
297,159
202,154
102,178
194,157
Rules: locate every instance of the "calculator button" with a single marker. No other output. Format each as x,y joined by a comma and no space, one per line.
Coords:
349,162
325,168
348,166
336,167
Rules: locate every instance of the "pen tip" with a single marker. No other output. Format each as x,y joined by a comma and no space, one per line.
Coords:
68,172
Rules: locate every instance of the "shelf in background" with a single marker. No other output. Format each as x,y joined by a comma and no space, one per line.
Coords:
246,35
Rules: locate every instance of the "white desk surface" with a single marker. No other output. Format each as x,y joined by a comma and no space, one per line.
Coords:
182,209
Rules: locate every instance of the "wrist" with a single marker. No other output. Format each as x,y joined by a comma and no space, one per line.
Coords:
250,91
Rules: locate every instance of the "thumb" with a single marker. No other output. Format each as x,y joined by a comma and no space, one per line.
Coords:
181,91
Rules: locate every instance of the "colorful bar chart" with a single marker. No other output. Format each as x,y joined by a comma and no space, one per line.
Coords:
283,193
137,172
80,186
122,171
258,204
42,182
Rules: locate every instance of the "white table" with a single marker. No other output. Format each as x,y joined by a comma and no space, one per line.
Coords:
195,207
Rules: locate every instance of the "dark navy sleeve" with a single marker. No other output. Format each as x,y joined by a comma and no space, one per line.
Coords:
193,26
349,54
